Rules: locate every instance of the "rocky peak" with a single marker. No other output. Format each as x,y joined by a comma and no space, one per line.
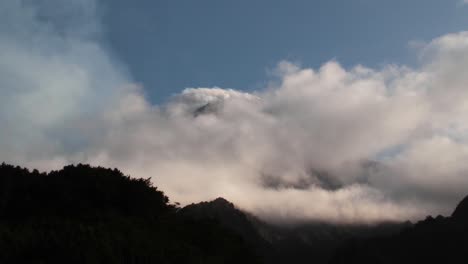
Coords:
461,211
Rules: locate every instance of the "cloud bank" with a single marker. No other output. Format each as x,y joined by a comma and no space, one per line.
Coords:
333,144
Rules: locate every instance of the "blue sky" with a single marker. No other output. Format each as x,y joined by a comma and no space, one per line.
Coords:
170,45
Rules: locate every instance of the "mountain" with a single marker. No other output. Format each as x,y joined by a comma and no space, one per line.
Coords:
311,242
461,211
84,214
433,240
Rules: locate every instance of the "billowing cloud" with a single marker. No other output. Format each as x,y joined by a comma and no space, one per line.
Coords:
332,143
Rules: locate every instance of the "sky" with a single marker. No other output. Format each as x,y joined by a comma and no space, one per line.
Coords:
293,111
172,45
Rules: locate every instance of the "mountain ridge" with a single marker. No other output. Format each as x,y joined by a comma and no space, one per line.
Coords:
84,214
296,243
432,240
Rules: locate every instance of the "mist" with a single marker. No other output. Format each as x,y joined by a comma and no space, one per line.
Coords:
335,144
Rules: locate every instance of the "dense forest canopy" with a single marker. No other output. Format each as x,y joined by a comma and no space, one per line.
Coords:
84,214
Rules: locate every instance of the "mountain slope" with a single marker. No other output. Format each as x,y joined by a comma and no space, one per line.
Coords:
82,214
311,242
433,240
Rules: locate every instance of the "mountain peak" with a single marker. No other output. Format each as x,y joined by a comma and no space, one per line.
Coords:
216,207
461,211
220,201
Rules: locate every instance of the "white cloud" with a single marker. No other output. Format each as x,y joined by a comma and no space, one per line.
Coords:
299,149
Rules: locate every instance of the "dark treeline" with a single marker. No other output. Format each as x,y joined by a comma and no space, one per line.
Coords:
433,240
307,242
82,214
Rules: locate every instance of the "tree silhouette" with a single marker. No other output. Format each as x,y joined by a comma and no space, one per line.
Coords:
433,240
84,214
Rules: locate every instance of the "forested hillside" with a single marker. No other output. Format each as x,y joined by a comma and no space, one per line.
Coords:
433,240
82,214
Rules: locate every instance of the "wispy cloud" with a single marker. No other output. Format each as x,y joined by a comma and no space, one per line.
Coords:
357,144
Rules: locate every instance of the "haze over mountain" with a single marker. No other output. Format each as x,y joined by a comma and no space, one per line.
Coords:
338,144
433,240
83,214
306,242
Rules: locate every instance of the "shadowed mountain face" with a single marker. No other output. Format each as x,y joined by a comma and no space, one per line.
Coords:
82,214
312,242
208,108
461,211
433,240
252,230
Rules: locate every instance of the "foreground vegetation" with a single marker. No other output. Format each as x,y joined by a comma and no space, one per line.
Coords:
82,214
